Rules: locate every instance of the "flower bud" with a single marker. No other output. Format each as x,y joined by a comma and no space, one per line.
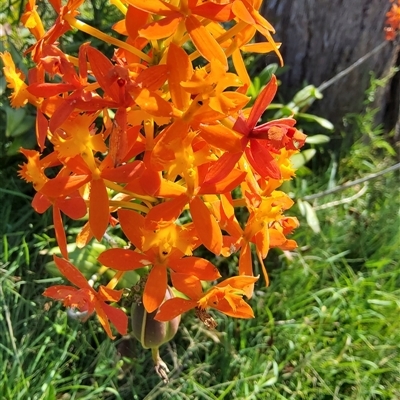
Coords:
151,333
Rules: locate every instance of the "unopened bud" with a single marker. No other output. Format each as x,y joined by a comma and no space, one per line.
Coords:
151,333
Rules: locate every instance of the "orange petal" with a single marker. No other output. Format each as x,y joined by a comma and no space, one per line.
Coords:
118,318
206,225
241,11
245,263
101,67
199,267
72,206
153,77
215,12
166,212
134,20
206,45
156,286
230,182
150,181
124,173
222,167
240,67
118,141
123,259
221,137
177,56
132,223
40,203
262,161
263,100
108,294
98,208
63,185
277,238
174,307
162,28
84,236
103,319
60,292
42,126
239,281
153,6
242,310
61,114
262,242
187,284
60,232
261,47
50,89
152,103
71,273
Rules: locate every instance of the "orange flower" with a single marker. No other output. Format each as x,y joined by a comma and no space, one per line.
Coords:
187,16
266,228
393,20
262,140
15,80
226,297
161,249
86,299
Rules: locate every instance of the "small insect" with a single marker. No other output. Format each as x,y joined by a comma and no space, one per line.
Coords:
206,318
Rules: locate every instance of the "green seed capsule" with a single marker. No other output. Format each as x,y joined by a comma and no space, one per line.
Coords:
151,333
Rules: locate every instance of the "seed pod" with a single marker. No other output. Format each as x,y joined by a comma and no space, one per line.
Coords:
151,333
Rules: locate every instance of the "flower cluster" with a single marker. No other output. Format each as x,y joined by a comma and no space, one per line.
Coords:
165,150
393,21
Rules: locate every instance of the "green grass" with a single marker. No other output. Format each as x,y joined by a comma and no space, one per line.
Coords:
327,327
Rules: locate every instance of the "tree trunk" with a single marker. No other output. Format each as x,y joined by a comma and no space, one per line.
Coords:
321,38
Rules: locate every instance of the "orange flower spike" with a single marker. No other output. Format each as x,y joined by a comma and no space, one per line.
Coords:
87,299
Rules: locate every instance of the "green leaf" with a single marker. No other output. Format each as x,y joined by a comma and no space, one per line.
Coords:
266,74
307,210
317,139
18,122
299,159
313,118
305,97
27,140
382,144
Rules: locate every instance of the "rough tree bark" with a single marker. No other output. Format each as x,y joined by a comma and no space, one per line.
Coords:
323,37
